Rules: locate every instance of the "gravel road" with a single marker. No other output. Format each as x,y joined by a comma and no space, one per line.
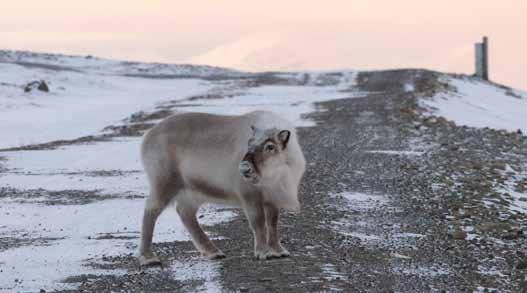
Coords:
391,202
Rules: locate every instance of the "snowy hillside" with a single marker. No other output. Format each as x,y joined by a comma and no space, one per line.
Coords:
71,185
52,175
90,64
475,103
84,101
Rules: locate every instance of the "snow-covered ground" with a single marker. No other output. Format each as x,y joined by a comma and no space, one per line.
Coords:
48,240
516,195
476,103
479,104
112,67
42,244
79,104
288,101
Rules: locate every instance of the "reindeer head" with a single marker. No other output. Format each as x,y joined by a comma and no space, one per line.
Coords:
265,154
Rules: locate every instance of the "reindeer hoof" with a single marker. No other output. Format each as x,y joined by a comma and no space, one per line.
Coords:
214,255
149,261
284,252
266,254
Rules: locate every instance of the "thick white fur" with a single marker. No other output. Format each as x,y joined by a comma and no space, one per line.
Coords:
281,179
218,164
193,158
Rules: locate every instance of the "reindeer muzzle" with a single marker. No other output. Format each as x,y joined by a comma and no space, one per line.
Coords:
248,168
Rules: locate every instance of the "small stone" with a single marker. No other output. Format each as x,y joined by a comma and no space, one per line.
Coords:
459,235
500,165
510,236
43,87
40,85
522,265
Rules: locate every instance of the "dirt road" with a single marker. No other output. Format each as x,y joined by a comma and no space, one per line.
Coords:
391,202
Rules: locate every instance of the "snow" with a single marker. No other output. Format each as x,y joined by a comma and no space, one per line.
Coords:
434,271
408,235
359,200
42,266
331,273
362,236
112,67
83,103
288,101
64,169
396,153
398,255
86,95
518,200
479,104
198,269
79,104
408,87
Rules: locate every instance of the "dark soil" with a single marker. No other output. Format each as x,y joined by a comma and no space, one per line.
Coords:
59,197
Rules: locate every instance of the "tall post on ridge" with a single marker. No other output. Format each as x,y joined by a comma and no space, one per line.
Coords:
485,58
482,60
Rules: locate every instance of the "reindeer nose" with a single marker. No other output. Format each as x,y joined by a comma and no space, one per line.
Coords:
246,170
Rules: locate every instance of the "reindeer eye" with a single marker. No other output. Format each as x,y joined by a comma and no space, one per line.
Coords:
270,147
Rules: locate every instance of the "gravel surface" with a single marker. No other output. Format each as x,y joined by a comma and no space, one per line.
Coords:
392,201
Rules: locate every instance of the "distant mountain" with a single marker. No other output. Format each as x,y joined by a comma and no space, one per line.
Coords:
115,67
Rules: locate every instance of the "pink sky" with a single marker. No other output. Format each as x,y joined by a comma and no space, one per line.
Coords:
273,35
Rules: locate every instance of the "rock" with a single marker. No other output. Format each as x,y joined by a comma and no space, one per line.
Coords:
39,85
500,166
442,121
43,86
459,235
510,236
522,265
520,187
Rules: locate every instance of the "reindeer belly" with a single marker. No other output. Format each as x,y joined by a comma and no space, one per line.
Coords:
214,179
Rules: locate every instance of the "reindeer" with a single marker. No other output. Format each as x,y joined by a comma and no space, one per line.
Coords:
253,161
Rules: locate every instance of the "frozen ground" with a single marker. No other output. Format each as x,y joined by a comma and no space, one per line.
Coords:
79,103
70,210
475,103
75,203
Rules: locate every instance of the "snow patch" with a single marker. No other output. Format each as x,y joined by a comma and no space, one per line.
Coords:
359,200
86,95
518,199
199,269
290,102
76,229
112,67
65,169
78,104
408,87
426,271
479,104
396,153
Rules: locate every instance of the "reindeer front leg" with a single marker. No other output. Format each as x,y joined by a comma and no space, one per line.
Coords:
272,214
256,215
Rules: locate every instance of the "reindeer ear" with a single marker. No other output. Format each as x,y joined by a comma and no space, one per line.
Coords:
283,137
